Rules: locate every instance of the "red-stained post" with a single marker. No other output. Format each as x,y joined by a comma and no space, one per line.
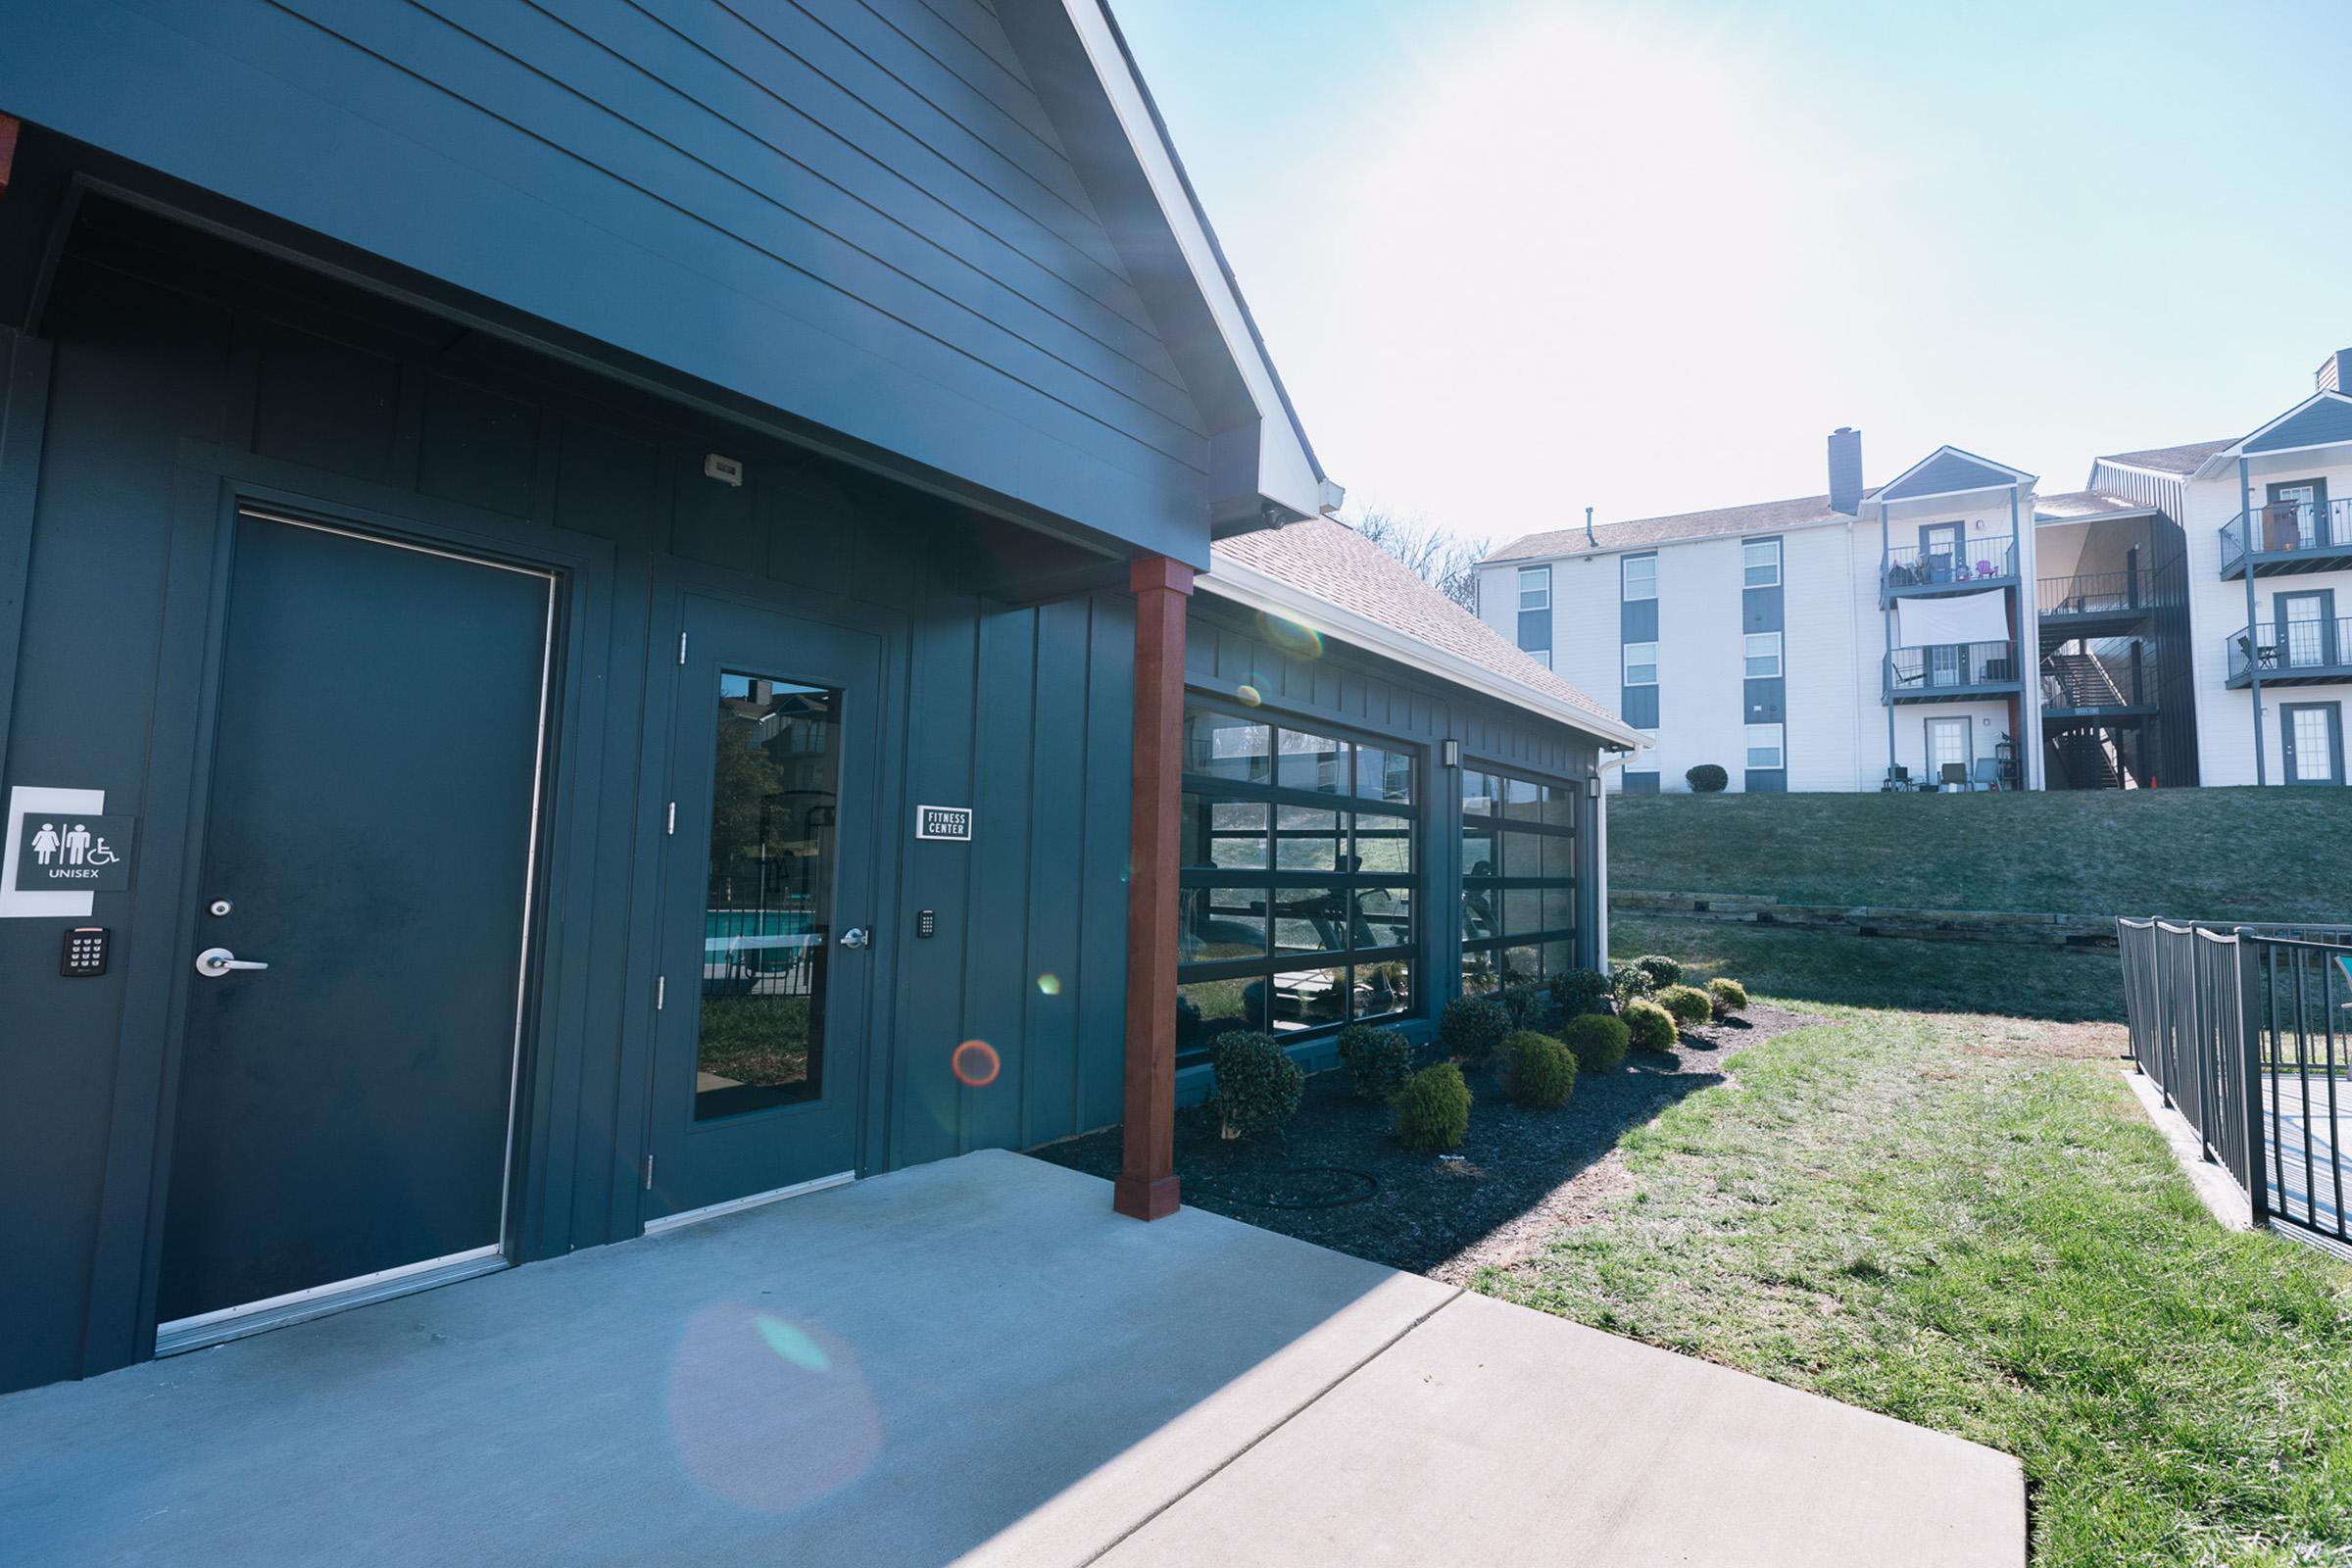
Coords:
9,125
1147,1185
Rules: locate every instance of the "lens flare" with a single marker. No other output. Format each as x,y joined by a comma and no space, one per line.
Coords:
792,1345
1049,984
765,1414
1289,636
975,1064
1249,696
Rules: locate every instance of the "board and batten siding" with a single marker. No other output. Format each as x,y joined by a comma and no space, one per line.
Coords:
857,214
160,399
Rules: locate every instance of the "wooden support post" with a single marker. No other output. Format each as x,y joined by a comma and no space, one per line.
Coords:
9,125
1147,1185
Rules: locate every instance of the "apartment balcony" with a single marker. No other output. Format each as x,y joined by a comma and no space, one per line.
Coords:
2289,537
1952,672
2093,604
2300,652
1919,572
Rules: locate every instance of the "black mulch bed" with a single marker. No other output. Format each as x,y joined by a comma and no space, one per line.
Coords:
1338,1177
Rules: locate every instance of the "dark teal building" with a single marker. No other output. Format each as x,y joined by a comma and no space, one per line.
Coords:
609,612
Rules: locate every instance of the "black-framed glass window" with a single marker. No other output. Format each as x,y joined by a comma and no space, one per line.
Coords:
1299,867
1520,850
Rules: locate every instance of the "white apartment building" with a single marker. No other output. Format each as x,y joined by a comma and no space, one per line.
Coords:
2184,618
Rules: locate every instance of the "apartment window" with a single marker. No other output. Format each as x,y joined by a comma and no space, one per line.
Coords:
1640,663
1542,656
1535,612
1763,654
1760,564
1298,855
1640,577
1534,587
1518,879
1764,746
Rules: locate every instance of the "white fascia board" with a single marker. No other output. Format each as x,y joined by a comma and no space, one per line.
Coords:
1252,589
1608,551
1286,474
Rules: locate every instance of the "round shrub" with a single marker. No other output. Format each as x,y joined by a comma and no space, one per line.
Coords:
1706,778
1578,992
1626,981
1258,1084
1649,1026
1661,970
1688,1004
1379,1061
1433,1110
1728,995
1538,1070
1473,1027
1597,1041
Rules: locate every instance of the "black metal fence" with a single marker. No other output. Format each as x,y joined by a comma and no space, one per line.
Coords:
2247,1032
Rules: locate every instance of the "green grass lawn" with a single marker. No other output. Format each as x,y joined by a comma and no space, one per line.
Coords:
1810,966
2190,853
1966,1222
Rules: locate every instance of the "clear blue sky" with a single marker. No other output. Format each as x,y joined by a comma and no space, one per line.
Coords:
1518,257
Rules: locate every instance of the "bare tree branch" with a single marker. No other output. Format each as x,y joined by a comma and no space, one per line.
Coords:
1446,562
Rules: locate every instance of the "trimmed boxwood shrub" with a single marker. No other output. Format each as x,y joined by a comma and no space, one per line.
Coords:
1433,1110
1258,1084
1628,981
1707,777
1597,1041
1688,1004
1473,1027
1649,1026
1578,992
1661,970
1379,1061
1729,997
1538,1070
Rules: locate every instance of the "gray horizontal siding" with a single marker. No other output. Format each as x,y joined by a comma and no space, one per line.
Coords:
858,215
2330,419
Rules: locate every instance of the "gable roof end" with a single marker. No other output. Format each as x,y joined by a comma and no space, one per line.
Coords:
1947,470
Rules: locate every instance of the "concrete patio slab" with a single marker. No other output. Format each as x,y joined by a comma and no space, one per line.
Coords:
973,1360
1492,1432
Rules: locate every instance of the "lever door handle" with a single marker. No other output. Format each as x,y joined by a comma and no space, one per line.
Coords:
855,937
214,962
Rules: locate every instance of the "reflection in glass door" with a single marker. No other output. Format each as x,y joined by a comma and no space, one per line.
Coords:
775,799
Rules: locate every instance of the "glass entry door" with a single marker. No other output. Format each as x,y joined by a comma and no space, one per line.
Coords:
767,908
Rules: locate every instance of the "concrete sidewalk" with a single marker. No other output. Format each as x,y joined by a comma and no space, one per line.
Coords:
973,1360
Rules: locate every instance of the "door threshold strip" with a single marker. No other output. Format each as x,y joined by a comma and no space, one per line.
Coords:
296,1307
736,1205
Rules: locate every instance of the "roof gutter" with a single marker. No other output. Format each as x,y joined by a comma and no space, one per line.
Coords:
1252,589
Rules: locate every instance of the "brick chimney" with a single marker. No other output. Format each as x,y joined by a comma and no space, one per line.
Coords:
1846,468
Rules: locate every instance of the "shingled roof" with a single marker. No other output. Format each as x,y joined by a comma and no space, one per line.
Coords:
1332,562
2071,506
2171,460
1760,517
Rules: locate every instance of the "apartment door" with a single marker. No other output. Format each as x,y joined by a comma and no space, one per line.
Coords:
2297,515
768,911
1947,744
2312,736
2306,629
1939,549
348,1065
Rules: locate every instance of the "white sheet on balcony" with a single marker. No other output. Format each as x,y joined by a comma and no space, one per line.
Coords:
1960,618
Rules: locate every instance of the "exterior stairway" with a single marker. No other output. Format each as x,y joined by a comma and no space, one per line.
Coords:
2087,758
2078,680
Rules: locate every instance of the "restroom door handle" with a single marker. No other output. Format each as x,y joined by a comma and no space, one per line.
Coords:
214,962
855,937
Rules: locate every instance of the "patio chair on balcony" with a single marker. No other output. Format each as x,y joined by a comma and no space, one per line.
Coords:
1897,779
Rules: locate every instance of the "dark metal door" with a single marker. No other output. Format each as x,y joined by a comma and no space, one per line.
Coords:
767,914
344,1112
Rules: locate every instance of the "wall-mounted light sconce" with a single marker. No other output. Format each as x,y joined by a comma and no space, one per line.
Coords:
1593,787
1450,753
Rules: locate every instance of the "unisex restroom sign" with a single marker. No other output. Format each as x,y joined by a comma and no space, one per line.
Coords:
73,851
944,822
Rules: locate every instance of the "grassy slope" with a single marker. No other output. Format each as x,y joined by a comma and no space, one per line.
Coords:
2208,854
1967,1223
1818,966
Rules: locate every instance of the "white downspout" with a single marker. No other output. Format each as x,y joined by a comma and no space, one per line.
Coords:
1600,851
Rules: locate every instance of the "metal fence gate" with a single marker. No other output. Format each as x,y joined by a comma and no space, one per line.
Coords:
2248,1031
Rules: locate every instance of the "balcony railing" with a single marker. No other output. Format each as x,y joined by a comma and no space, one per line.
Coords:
2291,653
2097,593
1951,669
2289,534
1946,568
